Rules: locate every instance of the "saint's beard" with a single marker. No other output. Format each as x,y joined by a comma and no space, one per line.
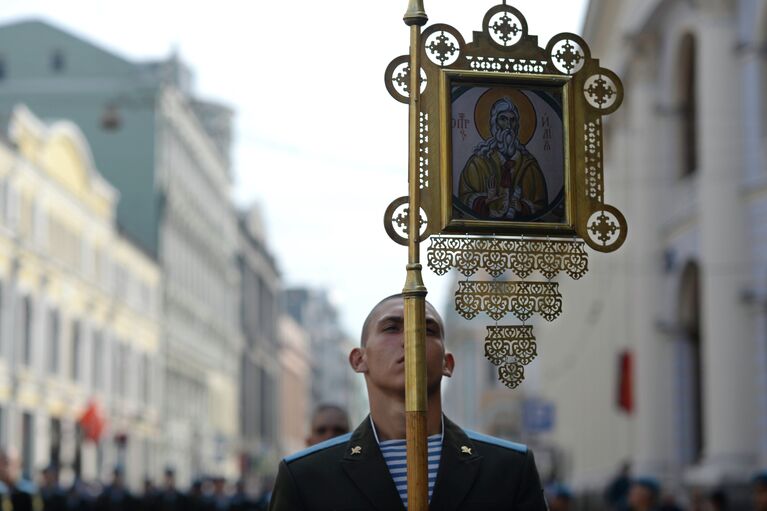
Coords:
506,142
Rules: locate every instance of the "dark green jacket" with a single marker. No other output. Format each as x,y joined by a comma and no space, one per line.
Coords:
348,473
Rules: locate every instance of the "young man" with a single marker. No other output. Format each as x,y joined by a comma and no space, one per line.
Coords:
365,469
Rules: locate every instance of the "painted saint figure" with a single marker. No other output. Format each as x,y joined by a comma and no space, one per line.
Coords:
502,180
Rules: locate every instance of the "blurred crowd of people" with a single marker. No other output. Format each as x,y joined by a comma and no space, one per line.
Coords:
626,493
623,493
205,494
208,494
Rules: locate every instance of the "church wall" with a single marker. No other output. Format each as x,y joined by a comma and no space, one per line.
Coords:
645,319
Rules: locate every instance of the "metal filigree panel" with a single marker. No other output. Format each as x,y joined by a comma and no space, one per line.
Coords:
510,348
396,221
511,375
496,299
498,255
510,344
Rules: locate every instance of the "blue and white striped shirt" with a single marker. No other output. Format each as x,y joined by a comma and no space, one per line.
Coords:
395,455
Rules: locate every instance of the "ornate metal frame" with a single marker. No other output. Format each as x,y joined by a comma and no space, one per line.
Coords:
504,52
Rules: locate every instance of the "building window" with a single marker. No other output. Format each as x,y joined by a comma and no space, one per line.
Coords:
74,372
688,105
58,62
27,445
26,330
120,360
55,453
145,381
98,360
3,345
690,363
53,341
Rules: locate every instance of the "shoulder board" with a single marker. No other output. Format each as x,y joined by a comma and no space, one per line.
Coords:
500,442
318,447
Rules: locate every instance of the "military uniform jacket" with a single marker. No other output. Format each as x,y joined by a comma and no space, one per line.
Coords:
348,473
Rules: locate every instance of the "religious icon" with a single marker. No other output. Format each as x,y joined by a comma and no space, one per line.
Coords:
510,139
508,161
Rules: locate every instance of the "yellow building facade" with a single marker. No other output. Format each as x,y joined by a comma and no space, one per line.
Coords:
79,311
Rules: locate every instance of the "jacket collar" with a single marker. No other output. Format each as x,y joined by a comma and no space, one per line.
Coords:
458,467
366,467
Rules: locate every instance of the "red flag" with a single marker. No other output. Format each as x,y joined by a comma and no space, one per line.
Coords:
626,382
93,422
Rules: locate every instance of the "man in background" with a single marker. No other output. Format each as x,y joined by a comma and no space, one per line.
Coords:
15,493
560,498
168,498
53,495
759,492
116,496
644,494
328,421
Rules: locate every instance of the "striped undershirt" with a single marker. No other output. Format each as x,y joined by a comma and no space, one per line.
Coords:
395,455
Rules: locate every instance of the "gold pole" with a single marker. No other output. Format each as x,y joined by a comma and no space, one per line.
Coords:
414,290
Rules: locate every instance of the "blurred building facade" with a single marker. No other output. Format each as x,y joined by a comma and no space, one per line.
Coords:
295,387
332,379
167,152
79,308
683,305
261,368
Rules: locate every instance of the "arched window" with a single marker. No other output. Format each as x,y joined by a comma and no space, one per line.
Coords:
26,330
762,49
58,62
690,366
687,99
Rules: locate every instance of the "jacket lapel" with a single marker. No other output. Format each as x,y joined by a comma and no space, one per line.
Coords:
458,467
365,466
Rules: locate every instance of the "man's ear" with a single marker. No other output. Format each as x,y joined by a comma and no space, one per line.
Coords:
358,361
448,365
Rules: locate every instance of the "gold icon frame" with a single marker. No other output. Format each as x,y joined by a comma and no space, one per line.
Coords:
503,53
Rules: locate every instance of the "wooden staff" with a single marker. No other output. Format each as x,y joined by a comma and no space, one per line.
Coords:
414,290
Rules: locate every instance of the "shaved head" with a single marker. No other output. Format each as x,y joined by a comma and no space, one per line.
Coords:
399,296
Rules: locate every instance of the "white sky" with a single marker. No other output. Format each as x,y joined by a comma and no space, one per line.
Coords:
320,143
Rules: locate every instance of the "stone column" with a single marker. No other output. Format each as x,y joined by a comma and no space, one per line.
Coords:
728,354
653,453
754,103
760,317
